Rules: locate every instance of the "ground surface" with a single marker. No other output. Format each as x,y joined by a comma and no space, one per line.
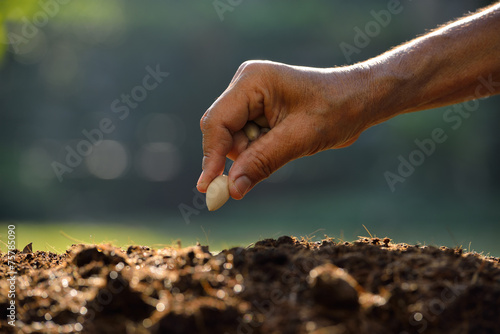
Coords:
276,286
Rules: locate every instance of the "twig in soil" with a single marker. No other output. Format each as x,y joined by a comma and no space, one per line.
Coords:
367,231
70,237
314,236
4,244
476,274
158,245
327,238
206,235
53,248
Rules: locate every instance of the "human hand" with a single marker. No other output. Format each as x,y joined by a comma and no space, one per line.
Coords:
309,110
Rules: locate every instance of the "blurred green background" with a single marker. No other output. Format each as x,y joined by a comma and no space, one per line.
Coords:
68,65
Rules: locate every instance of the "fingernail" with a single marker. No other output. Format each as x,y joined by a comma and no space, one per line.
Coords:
242,184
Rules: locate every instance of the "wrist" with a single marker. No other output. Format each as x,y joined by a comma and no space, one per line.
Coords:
355,91
388,90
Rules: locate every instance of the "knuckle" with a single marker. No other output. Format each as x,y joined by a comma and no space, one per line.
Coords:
253,66
262,165
205,121
216,144
202,122
247,64
209,155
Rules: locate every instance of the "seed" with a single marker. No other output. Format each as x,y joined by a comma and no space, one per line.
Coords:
262,121
217,192
264,130
251,130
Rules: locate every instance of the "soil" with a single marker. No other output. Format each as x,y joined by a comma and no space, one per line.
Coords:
288,285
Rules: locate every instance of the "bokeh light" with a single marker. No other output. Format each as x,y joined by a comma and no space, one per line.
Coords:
158,161
35,168
60,67
33,51
108,160
156,127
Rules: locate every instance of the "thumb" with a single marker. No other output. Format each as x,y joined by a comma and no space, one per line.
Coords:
262,158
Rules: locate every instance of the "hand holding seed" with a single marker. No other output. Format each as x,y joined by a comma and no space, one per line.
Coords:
300,110
218,190
315,109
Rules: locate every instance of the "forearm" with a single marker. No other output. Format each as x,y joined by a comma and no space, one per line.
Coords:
447,66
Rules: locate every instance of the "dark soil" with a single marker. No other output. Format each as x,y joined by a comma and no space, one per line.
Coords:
277,286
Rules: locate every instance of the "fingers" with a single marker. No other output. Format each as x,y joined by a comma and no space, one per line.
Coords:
299,105
263,157
222,120
214,153
222,123
246,98
240,143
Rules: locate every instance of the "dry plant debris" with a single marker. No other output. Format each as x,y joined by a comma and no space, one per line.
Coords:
288,285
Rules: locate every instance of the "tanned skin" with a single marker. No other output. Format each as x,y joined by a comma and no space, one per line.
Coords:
314,109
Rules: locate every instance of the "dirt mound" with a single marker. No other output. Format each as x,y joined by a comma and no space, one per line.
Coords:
277,286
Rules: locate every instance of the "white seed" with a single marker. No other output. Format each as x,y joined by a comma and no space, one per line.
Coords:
262,121
251,130
217,192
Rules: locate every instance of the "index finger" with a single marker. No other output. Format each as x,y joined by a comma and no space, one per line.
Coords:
227,115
